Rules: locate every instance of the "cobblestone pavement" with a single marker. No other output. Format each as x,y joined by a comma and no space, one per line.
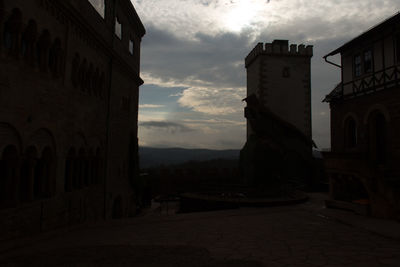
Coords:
280,236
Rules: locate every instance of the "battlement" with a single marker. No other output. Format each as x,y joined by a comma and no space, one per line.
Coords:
279,47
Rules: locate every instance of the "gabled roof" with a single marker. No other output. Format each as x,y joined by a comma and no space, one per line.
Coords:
335,93
377,28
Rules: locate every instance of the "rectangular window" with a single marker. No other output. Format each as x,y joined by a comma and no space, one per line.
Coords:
367,61
99,6
118,28
131,46
357,65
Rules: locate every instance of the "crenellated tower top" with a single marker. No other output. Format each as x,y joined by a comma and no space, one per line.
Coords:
279,47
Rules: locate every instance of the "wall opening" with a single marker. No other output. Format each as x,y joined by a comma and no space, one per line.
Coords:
377,142
350,134
8,175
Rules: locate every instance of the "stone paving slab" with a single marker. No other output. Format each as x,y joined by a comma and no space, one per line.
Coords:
280,236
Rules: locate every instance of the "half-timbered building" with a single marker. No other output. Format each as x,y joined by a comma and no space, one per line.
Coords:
364,161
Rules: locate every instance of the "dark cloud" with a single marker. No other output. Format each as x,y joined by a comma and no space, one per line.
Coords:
168,126
219,60
206,58
172,51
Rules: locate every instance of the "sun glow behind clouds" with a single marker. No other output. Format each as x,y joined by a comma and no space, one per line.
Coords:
188,18
243,13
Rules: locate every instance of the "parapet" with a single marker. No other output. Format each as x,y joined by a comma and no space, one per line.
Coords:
279,47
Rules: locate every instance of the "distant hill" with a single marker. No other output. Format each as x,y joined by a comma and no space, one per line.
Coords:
152,157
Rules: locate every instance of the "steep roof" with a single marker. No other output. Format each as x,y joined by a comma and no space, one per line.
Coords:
335,93
377,28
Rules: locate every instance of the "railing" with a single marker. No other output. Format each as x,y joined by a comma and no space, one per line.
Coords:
378,80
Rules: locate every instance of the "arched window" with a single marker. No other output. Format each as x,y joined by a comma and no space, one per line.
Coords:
8,176
89,77
42,49
377,137
95,82
48,171
350,134
101,84
117,210
69,169
90,163
44,182
12,31
86,170
75,70
55,58
28,174
28,42
81,167
75,172
98,167
82,74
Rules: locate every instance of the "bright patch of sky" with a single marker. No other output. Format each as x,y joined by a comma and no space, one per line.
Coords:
98,5
193,54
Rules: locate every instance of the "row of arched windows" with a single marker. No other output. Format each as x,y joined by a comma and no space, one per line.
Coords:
375,132
82,169
30,174
87,77
36,47
26,178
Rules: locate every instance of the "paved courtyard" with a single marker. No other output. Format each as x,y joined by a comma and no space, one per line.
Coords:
300,235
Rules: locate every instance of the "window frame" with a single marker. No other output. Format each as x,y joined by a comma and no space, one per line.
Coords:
131,46
364,61
357,66
350,133
118,32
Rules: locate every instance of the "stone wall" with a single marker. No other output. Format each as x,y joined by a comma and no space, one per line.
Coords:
280,76
68,113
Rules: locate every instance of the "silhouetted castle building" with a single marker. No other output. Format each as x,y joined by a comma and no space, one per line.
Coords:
278,112
280,77
69,81
365,122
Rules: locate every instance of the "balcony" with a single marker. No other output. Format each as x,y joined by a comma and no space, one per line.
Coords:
369,83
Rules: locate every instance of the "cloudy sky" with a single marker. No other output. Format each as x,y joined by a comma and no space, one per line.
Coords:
193,54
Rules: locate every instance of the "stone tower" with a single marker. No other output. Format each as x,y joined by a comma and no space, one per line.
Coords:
280,77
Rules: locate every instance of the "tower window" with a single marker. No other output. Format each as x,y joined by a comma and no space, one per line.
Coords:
286,72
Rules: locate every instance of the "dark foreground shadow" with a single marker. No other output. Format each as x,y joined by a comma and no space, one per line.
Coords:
149,256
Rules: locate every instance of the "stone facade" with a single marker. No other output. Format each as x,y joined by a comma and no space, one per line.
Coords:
68,112
280,76
278,150
363,165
